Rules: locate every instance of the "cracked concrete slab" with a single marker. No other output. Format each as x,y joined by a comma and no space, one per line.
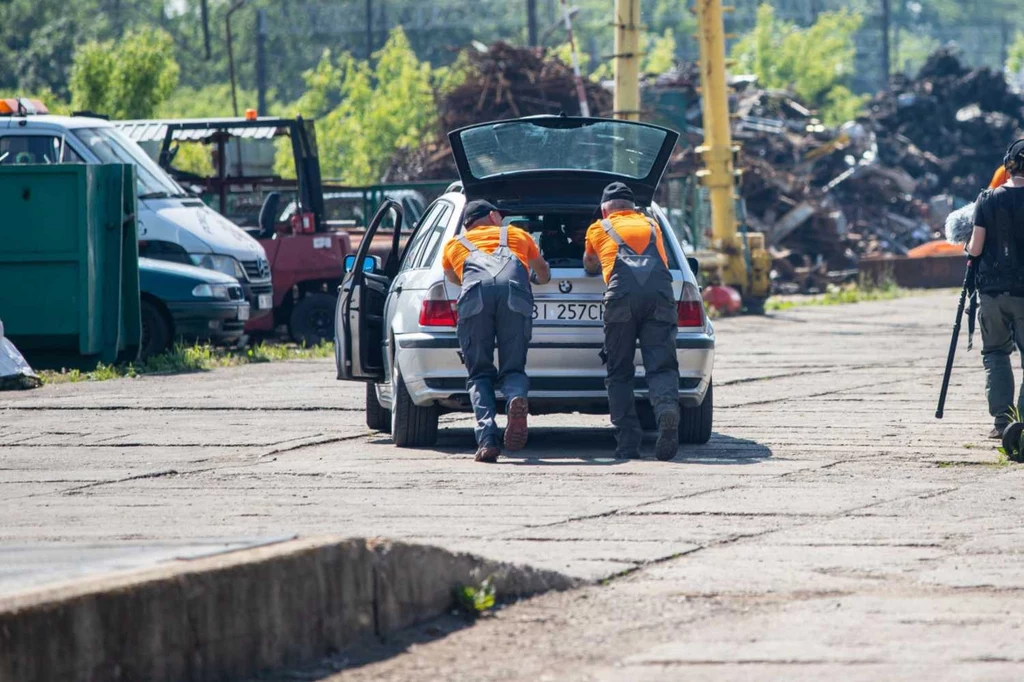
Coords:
827,483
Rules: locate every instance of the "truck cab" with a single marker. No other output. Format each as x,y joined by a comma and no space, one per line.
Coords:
173,225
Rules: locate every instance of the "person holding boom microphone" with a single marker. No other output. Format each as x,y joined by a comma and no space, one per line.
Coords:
997,244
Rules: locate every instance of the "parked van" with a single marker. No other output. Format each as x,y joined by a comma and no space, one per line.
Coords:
173,225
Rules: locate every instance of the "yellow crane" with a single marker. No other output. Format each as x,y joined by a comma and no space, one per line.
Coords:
740,259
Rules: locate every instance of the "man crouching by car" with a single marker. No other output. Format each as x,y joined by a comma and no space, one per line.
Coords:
491,262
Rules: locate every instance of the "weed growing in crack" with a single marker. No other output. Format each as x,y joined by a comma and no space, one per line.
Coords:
475,601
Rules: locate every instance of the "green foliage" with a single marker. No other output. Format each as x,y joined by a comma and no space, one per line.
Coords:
476,600
210,101
842,105
841,295
366,114
1015,55
661,55
195,358
815,62
563,53
913,50
126,79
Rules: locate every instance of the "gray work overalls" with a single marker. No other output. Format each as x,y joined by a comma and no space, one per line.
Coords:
496,303
639,306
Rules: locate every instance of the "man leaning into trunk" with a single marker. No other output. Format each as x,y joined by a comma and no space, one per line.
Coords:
627,248
491,261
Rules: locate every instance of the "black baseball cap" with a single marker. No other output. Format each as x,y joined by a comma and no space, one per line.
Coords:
475,210
617,191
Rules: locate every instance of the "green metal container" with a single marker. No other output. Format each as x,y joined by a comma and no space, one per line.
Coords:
69,263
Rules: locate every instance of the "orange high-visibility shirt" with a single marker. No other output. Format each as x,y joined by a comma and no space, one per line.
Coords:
486,238
635,230
999,179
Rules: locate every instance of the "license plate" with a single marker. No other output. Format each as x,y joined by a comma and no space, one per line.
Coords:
264,301
243,313
568,311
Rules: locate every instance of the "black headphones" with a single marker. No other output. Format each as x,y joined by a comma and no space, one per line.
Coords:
1014,159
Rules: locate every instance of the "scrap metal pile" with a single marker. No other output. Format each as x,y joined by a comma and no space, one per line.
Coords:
502,81
882,184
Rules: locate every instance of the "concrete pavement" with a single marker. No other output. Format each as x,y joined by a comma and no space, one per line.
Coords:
831,527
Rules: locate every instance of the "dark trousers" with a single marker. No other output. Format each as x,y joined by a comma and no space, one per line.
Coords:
496,324
1001,319
651,321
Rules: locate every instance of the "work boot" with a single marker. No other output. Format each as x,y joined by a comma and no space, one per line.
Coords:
488,453
517,430
668,436
997,432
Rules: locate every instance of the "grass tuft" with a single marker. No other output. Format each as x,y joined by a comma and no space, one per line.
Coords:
841,295
183,359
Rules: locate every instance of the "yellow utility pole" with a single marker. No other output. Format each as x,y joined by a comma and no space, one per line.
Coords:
627,60
746,263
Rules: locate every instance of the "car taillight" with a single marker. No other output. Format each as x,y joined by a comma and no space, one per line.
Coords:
438,314
690,307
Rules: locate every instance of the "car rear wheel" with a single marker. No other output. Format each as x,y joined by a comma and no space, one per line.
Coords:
156,330
312,319
695,422
378,417
412,426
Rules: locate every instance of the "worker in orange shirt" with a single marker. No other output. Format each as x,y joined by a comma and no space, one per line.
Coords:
491,261
628,249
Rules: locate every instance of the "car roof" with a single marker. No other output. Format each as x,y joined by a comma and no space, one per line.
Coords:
49,121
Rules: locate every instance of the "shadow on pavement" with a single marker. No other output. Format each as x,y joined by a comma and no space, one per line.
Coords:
371,652
723,449
573,446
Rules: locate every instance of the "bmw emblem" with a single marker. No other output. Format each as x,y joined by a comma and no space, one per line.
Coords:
565,286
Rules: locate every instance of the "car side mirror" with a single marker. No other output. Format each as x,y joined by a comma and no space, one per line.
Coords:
268,215
370,263
694,265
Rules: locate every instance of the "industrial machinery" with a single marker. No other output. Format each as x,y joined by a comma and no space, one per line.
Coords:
739,258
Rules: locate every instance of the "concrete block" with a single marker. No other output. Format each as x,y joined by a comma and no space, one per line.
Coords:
230,616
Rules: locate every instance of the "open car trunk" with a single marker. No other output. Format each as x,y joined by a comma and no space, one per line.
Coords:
559,162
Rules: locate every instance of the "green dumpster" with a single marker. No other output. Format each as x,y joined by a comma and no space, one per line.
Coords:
69,264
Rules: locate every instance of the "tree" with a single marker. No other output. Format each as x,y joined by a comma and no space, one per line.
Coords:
367,114
661,55
816,62
125,79
1015,56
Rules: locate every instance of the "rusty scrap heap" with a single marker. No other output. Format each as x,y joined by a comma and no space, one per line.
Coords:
882,184
502,81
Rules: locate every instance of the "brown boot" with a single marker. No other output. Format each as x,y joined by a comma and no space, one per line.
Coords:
517,430
488,454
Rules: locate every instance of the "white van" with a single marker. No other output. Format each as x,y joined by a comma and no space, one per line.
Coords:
172,224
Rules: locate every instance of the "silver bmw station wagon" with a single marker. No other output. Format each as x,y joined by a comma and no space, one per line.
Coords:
396,317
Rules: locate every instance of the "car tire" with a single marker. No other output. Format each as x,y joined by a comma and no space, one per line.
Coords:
695,422
312,319
412,426
378,417
645,413
157,333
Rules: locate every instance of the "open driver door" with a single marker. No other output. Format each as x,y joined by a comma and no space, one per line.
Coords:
359,323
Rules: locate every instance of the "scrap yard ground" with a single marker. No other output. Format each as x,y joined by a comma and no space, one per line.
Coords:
831,528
